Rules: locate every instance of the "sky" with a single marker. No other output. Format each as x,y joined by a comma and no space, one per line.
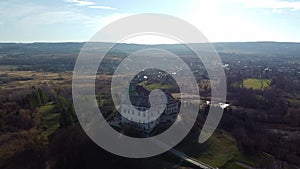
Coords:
218,20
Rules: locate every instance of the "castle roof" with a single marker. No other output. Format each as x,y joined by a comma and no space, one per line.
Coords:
141,99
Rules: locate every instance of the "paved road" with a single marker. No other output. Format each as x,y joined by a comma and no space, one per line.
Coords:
245,165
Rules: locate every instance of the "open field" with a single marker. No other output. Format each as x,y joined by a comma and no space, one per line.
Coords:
221,151
257,84
14,80
156,86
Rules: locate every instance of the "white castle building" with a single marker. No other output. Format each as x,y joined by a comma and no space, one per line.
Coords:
137,112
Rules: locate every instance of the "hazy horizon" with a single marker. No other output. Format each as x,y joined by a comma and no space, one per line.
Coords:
146,43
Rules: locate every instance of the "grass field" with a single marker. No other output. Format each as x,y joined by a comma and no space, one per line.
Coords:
25,79
257,84
156,86
221,151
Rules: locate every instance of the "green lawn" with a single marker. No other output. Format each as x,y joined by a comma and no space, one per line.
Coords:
257,84
221,148
50,119
221,151
156,86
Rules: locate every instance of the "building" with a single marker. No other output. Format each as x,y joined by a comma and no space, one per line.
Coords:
137,113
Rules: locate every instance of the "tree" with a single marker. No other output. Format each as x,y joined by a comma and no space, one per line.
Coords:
1,124
67,112
292,117
42,96
65,119
35,98
247,98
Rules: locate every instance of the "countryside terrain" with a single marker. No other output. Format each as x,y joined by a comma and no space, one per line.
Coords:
260,128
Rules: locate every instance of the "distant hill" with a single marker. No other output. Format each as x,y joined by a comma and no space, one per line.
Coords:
62,56
268,48
262,48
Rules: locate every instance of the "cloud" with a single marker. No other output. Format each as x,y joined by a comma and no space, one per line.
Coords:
29,15
99,22
65,16
53,17
278,11
102,7
36,22
89,4
81,2
269,4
